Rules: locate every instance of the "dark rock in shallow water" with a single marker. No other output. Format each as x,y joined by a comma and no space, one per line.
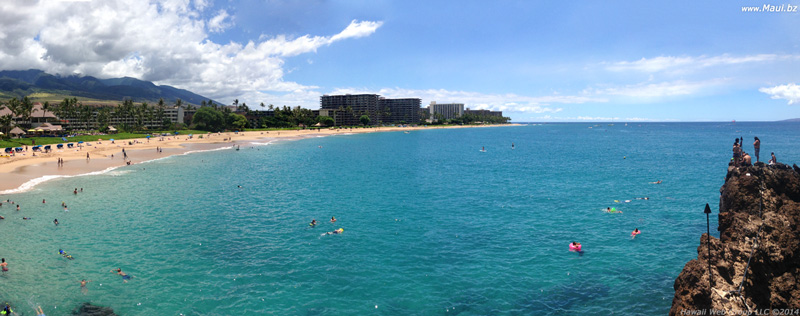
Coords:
91,310
759,215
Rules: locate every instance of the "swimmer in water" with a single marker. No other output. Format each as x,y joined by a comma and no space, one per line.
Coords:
657,182
65,254
26,218
335,232
55,221
125,277
333,219
84,289
39,311
313,223
635,232
4,265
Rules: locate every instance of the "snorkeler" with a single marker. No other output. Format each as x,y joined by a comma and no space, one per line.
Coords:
65,254
335,232
125,277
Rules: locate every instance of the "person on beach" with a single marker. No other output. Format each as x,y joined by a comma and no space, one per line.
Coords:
635,232
39,311
757,147
4,265
125,277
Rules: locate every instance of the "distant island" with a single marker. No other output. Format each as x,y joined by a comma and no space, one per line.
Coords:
791,120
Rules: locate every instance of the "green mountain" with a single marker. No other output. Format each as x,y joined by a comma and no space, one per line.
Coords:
20,83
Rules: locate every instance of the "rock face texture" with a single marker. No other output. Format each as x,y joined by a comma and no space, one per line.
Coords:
759,213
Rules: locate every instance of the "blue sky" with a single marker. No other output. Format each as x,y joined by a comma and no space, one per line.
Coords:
534,60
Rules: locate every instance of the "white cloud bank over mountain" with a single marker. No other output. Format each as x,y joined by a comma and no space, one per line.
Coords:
165,41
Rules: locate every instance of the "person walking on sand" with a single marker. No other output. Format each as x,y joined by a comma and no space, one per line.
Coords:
757,147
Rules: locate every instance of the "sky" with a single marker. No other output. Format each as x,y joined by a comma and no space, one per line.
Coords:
543,61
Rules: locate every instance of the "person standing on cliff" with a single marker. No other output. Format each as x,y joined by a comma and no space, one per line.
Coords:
737,152
757,147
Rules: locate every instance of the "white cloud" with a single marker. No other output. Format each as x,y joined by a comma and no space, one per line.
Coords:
658,90
686,63
220,22
790,92
165,41
481,101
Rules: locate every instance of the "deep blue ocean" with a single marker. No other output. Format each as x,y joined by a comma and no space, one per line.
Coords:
432,225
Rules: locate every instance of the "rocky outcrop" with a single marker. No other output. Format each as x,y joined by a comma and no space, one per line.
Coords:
759,213
87,309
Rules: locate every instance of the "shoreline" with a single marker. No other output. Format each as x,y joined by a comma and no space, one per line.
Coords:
24,171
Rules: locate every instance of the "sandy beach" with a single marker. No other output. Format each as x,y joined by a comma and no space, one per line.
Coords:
24,167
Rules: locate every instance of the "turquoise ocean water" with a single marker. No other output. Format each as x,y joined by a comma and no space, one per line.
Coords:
432,226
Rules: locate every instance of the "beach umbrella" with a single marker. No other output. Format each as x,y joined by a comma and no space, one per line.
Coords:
31,130
39,130
80,142
148,136
176,133
112,139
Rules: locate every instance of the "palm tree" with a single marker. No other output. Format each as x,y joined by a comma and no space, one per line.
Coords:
178,102
45,107
25,110
6,121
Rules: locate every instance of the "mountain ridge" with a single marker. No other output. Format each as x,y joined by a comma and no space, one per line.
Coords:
20,83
